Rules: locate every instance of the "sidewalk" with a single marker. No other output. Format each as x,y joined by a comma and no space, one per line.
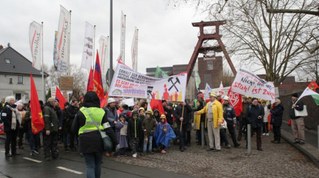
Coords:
307,149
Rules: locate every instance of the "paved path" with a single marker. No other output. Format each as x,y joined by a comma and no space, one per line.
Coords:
70,165
277,160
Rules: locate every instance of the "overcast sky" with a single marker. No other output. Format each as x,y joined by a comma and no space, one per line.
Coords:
166,36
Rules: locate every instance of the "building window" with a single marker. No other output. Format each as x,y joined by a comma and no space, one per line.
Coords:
7,60
20,79
18,96
210,65
10,81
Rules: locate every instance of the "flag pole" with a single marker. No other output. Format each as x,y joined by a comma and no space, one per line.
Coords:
94,44
42,65
69,72
111,42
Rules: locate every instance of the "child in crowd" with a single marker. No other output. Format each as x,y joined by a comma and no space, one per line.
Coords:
148,126
164,134
134,130
121,134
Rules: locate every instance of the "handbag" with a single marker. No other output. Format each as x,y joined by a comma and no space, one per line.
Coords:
107,141
224,125
302,113
289,122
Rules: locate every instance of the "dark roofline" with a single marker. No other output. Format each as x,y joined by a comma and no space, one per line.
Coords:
4,49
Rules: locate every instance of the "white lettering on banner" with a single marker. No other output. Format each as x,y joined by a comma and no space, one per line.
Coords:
128,83
248,84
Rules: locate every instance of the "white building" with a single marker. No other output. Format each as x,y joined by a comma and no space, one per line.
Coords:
15,72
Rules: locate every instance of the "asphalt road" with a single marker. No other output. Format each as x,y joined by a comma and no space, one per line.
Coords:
69,165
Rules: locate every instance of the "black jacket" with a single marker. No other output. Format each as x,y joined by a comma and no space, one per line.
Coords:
6,117
169,115
91,142
253,113
68,116
299,107
229,113
134,126
178,114
276,115
51,120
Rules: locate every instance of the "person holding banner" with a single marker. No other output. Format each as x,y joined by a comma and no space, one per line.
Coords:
255,118
297,124
214,116
182,116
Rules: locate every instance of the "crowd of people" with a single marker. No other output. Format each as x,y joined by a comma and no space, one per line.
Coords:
138,130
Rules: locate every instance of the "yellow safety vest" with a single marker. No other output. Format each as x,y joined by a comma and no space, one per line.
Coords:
93,117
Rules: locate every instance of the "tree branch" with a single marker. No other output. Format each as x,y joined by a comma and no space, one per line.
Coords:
293,11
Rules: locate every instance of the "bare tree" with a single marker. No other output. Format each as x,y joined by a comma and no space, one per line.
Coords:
79,79
276,41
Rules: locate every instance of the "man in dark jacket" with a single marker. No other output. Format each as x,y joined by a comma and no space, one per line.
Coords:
87,123
69,115
51,127
182,116
10,122
230,117
255,116
276,120
297,124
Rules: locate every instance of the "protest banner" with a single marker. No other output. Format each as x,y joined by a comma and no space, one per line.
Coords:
129,83
249,84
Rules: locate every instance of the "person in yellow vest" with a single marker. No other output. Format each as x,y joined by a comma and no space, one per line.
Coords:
214,118
87,123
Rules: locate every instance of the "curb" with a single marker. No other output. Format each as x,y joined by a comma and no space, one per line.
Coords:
308,150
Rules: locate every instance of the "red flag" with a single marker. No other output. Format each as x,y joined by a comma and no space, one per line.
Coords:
157,104
90,85
60,97
37,121
97,78
235,99
313,85
104,100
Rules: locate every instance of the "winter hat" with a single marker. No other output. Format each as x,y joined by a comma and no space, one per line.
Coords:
295,95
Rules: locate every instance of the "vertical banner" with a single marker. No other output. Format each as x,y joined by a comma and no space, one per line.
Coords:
87,54
134,50
55,51
35,39
103,52
196,75
63,40
123,31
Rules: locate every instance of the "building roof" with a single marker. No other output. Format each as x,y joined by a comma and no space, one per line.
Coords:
12,62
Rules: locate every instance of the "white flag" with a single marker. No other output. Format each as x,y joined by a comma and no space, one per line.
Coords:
123,30
63,40
103,52
88,48
207,91
134,50
221,89
35,38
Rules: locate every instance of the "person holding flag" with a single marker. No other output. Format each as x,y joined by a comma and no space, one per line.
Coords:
297,124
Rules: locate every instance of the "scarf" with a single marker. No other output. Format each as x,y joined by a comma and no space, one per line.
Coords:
14,121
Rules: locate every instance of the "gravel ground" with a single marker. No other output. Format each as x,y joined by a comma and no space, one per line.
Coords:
277,160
